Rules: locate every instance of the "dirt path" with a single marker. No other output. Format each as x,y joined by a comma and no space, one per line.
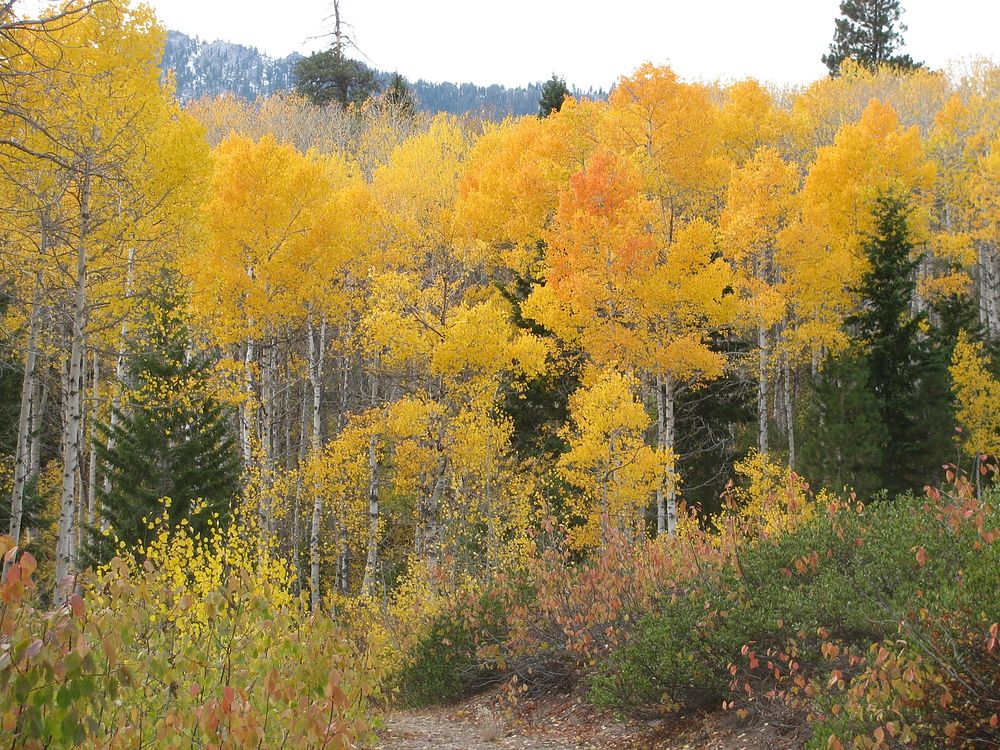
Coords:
569,724
437,730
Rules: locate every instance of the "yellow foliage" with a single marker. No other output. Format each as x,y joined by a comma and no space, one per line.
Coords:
608,460
771,496
977,391
189,569
823,249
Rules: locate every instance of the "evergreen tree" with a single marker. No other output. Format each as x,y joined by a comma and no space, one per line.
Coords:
171,438
330,76
399,96
842,435
554,93
869,32
895,350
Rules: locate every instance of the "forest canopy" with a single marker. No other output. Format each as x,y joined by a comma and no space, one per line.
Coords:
271,363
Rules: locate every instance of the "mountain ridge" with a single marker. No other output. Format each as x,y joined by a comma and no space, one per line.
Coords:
202,68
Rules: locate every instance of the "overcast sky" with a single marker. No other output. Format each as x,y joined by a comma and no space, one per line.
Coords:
514,42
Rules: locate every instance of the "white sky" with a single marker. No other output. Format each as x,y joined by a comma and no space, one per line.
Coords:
591,43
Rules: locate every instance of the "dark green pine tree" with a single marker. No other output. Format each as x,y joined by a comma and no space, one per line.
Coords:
330,76
842,436
896,352
554,93
399,96
171,439
869,32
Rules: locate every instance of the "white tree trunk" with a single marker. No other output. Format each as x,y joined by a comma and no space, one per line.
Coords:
789,413
371,563
989,289
269,355
29,406
297,510
248,409
119,384
428,532
38,404
317,351
92,429
609,471
762,357
73,406
666,498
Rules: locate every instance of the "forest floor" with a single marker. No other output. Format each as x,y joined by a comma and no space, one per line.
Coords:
567,723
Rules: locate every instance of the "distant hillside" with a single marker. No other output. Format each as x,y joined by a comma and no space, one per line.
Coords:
211,68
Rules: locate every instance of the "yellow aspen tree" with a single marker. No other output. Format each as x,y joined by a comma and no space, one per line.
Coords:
985,182
953,241
114,140
424,283
599,251
977,392
673,131
750,121
608,460
270,247
822,250
684,301
510,191
825,107
759,205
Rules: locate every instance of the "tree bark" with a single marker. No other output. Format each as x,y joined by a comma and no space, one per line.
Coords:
247,408
120,378
38,404
428,532
302,453
25,421
666,498
317,351
989,289
73,402
269,355
92,448
762,357
789,413
371,563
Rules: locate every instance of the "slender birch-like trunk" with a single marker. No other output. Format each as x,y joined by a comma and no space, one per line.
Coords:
269,355
116,400
762,358
25,421
606,495
666,498
247,408
73,403
789,412
989,289
661,437
92,447
371,563
297,520
344,562
38,404
316,351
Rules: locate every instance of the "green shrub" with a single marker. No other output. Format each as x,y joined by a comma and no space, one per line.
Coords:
442,667
850,577
446,664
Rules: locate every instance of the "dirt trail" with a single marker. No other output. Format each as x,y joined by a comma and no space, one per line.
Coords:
436,730
569,724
